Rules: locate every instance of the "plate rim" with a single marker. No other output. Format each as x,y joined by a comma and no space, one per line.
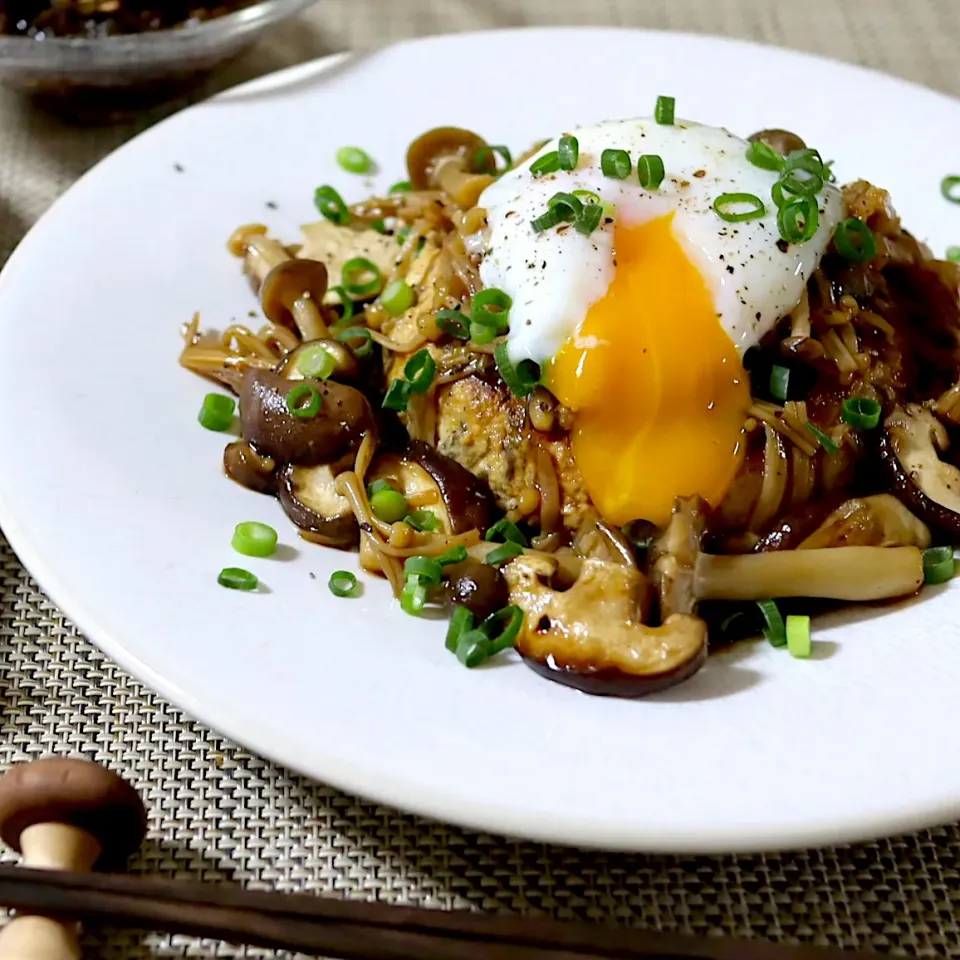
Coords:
363,781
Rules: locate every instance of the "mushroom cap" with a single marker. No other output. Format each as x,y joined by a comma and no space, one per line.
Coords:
288,282
426,152
74,792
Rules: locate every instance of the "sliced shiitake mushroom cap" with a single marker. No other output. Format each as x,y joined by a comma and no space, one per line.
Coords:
310,499
877,521
910,447
268,424
245,466
590,636
467,498
783,141
345,363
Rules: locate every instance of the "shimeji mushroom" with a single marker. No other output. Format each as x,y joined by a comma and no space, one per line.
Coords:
444,158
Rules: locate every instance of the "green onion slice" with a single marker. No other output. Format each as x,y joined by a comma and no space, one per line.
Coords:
615,164
798,219
501,628
254,539
420,370
460,623
413,597
484,159
304,401
473,648
398,297
360,349
455,554
331,205
397,396
216,412
546,221
354,160
779,382
855,241
587,197
401,186
762,155
423,521
379,485
390,506
937,565
725,206
236,578
862,413
454,323
315,361
361,277
775,631
650,171
481,334
343,583
491,308
828,173
506,531
953,254
949,188
522,378
568,153
346,302
548,163
663,113
426,568
567,206
589,220
827,442
504,552
379,225
799,643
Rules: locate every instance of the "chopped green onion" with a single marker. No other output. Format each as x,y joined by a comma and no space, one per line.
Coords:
401,186
798,219
650,171
364,348
331,205
473,648
775,631
779,382
855,241
343,583
827,442
402,235
615,164
413,597
423,521
315,361
398,297
491,308
346,303
236,578
503,553
354,160
379,485
216,412
481,334
664,110
802,173
762,155
426,568
726,201
455,554
304,401
522,378
460,623
937,565
548,163
862,413
454,323
546,221
566,205
828,173
390,506
254,539
568,153
799,643
420,370
587,196
485,155
501,628
361,277
589,220
805,159
948,187
506,531
397,396
953,254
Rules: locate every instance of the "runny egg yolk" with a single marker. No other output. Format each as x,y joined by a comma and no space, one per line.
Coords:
657,385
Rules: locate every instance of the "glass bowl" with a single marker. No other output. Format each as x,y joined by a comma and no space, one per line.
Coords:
106,78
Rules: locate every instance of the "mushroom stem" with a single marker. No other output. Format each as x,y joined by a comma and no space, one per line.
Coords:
262,254
309,319
833,573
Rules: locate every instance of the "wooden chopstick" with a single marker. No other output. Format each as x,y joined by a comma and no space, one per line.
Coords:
351,930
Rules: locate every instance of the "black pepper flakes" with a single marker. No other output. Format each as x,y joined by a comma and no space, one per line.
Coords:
179,167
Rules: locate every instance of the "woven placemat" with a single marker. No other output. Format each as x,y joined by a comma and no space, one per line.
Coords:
219,813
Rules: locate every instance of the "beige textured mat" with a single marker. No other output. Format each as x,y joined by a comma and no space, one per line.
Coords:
218,813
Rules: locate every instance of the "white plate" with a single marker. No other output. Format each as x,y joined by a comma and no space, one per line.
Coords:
113,495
